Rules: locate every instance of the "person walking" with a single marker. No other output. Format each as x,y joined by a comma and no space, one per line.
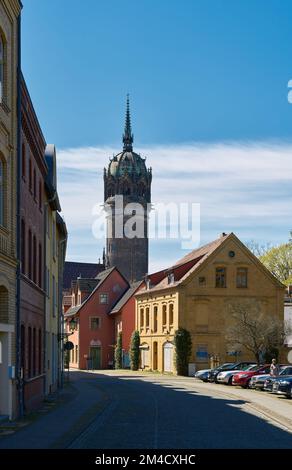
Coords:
274,368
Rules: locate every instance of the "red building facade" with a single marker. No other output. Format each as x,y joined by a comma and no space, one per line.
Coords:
32,295
89,321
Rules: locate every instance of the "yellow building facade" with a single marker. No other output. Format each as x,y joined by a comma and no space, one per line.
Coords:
9,105
197,294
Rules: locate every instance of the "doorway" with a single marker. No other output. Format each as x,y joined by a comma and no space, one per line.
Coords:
95,354
168,357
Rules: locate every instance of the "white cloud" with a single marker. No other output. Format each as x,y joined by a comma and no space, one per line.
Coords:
242,187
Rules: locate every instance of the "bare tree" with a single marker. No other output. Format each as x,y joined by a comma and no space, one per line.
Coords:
259,249
255,331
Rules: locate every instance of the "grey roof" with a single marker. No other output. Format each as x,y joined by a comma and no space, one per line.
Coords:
74,269
87,285
72,311
127,295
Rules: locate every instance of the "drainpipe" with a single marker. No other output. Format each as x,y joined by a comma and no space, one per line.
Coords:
19,378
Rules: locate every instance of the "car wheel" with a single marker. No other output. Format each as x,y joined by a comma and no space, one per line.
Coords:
230,381
247,384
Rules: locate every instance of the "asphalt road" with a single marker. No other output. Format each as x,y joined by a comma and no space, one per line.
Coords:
158,412
123,410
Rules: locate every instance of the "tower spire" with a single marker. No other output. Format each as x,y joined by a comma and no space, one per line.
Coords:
128,137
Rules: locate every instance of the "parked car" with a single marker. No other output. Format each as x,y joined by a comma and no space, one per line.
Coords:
283,386
228,366
257,382
243,378
268,385
202,374
225,377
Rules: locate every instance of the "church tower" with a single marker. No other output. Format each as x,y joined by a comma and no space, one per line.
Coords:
127,176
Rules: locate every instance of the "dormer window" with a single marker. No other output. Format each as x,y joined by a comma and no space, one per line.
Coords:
170,278
148,284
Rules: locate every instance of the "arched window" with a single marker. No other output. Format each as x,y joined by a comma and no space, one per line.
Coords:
2,71
2,192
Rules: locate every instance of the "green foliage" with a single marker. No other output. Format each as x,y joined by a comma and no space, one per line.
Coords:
279,261
135,350
183,350
119,352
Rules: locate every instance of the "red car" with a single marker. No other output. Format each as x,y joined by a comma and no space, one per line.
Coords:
243,378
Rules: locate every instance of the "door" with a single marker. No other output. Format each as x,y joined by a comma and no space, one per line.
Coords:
168,357
95,354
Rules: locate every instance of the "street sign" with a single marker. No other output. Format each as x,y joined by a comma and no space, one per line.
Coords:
68,346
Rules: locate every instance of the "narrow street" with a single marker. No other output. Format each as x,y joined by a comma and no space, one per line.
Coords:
113,409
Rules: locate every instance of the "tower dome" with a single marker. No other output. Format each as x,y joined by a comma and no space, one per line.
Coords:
127,169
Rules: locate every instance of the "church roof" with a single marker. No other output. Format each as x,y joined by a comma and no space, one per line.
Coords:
73,270
127,161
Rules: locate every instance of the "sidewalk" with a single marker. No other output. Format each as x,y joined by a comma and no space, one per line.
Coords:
77,404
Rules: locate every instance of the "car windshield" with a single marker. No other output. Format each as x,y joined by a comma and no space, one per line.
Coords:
286,371
254,367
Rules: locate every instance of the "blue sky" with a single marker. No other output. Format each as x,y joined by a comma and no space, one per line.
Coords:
207,76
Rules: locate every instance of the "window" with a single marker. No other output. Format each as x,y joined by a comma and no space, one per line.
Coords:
170,315
220,277
241,277
30,175
29,254
34,267
170,278
103,298
54,295
23,161
142,318
34,184
22,340
40,352
29,351
155,319
202,353
94,323
23,244
2,192
34,352
2,68
54,238
40,195
164,315
147,317
202,281
40,265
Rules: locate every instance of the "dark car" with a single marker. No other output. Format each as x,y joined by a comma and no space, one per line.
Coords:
283,386
285,370
232,366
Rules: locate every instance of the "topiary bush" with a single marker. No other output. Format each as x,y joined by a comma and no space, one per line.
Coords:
183,350
135,350
119,352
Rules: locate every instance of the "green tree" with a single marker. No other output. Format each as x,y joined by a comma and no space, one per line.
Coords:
135,350
183,350
279,261
119,352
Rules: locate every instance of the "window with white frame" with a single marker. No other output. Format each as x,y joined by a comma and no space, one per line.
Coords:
103,298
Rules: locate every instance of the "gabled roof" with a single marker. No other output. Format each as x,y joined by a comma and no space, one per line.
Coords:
73,270
194,260
184,266
100,278
127,295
